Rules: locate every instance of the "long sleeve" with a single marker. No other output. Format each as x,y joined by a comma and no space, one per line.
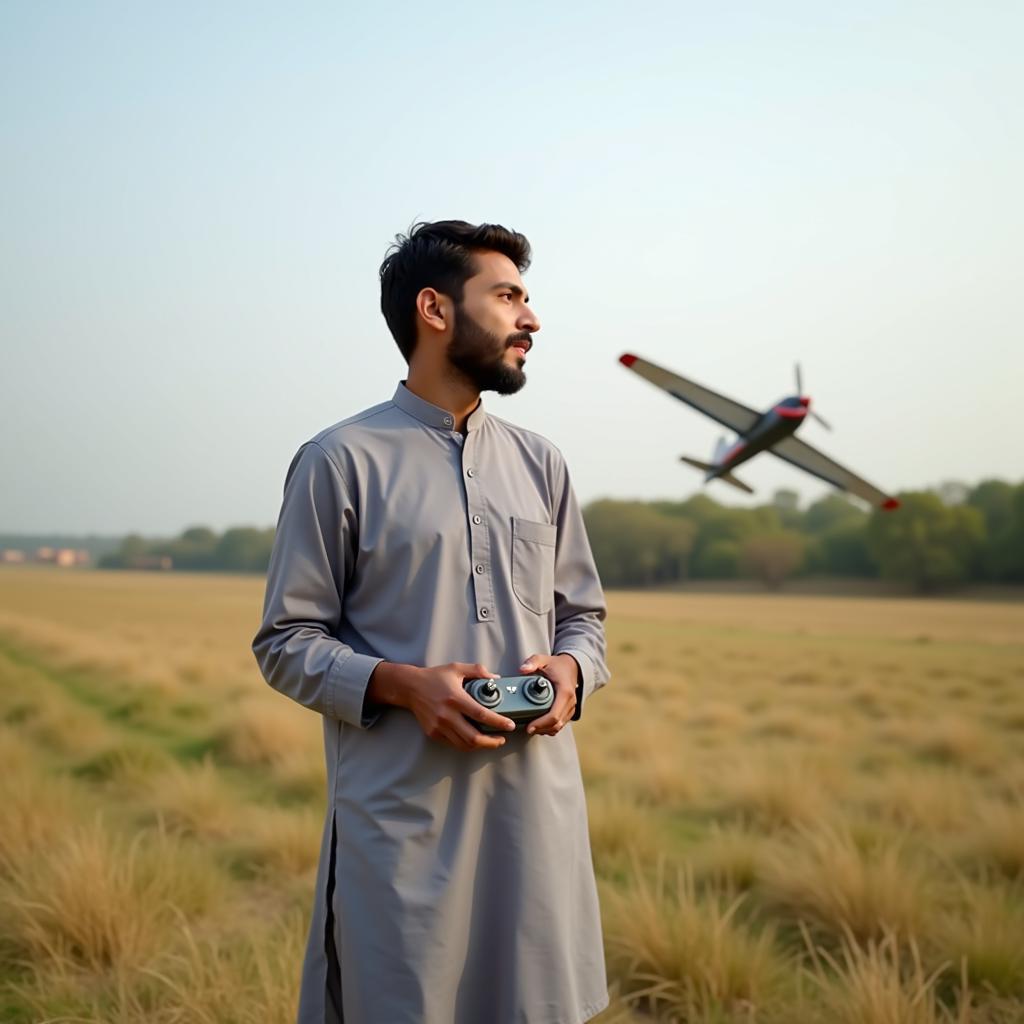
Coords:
296,647
580,608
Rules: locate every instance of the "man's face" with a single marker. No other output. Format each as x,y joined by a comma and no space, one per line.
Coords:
493,326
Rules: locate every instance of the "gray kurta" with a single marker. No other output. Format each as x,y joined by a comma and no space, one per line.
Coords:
456,888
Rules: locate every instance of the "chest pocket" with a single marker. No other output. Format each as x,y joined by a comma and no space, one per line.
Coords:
533,564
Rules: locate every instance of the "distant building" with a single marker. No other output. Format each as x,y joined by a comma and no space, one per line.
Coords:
66,558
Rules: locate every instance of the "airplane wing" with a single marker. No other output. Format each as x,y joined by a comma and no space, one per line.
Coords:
727,412
809,459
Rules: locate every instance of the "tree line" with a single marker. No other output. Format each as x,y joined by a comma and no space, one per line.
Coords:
951,535
197,549
940,538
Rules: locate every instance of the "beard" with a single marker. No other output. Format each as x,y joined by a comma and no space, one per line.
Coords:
479,356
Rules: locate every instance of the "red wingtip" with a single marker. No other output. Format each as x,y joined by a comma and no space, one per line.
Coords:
891,503
627,359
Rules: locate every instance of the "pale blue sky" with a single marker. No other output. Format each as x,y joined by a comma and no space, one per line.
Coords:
196,198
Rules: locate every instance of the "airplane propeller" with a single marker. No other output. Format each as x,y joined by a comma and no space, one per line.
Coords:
800,391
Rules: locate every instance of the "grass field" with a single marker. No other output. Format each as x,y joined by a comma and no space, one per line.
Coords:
802,809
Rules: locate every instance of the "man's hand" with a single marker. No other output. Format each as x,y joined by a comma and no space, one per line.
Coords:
436,697
561,669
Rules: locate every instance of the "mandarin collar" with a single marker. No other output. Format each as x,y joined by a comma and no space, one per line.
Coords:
433,415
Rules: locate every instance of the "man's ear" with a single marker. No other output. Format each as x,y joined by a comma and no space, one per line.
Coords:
434,309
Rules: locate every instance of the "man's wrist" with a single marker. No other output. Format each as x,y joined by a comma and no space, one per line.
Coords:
578,677
571,661
390,683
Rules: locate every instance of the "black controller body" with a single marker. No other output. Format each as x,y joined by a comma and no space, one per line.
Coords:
521,698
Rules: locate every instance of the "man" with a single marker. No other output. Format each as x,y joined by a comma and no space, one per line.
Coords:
421,543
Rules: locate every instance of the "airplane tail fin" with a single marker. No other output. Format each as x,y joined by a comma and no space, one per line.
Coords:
710,474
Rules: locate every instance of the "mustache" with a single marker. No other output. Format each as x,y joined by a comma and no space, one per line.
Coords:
515,339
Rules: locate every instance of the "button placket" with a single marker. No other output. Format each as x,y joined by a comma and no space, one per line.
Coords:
479,537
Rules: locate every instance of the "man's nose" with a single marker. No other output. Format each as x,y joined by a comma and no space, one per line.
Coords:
528,321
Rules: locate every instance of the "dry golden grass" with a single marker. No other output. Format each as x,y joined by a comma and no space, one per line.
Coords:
241,977
665,779
881,981
686,954
100,901
984,932
995,836
35,810
76,649
620,1012
931,800
276,840
43,716
652,764
127,763
772,792
251,980
273,734
822,875
922,624
301,773
620,830
729,858
716,716
194,799
958,742
110,621
268,729
16,754
852,768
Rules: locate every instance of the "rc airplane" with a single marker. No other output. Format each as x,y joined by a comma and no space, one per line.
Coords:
758,432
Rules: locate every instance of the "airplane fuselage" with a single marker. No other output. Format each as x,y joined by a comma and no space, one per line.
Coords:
778,422
756,432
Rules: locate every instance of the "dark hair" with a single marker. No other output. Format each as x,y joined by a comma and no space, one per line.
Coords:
437,255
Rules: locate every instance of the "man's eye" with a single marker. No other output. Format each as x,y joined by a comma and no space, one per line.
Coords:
506,295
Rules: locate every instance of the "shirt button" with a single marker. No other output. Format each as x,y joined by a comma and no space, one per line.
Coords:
479,569
448,421
469,472
484,612
477,520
